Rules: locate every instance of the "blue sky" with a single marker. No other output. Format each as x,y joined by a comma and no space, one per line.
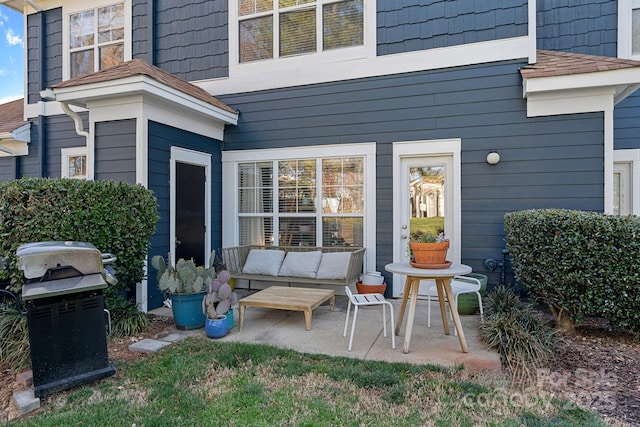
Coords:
11,55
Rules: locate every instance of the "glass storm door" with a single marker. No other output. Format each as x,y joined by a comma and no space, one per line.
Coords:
426,201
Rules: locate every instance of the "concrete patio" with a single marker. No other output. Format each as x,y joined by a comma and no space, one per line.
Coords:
286,329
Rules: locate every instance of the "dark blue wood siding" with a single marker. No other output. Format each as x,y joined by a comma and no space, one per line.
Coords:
587,26
61,133
142,30
161,139
192,39
115,150
7,168
546,161
627,123
410,25
52,51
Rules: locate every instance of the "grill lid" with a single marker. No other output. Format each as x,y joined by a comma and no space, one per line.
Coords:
37,259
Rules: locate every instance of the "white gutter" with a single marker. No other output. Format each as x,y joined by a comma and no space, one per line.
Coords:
77,120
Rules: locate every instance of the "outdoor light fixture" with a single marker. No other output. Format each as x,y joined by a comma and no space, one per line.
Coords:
493,157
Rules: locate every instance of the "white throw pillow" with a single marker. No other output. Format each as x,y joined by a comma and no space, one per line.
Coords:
333,265
301,264
263,261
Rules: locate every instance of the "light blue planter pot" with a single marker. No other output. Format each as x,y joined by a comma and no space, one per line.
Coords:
187,310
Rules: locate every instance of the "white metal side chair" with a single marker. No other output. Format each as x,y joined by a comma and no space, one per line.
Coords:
358,300
459,285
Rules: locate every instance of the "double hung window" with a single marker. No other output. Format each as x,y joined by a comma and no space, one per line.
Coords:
302,202
281,28
96,39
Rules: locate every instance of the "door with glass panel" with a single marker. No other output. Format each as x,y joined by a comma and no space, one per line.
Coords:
425,203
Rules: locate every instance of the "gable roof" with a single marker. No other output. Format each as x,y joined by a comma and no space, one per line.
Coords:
12,116
551,63
15,131
138,67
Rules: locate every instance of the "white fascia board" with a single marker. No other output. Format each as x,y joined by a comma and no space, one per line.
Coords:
12,148
570,101
22,133
83,94
298,71
623,77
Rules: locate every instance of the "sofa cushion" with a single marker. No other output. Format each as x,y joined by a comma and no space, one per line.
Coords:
263,261
301,264
333,265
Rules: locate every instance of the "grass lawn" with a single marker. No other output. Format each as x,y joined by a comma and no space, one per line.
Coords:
202,382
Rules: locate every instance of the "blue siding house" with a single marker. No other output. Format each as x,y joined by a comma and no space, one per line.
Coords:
336,122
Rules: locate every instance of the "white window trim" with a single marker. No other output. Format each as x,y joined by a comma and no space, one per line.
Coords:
65,154
76,7
287,64
625,28
632,157
231,159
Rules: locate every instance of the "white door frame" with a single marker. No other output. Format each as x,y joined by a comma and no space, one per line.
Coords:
428,148
197,158
630,158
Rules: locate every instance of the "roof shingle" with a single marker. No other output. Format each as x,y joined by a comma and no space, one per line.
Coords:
137,67
551,63
11,115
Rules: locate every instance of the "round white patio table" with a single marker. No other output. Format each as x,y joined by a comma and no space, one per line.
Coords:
443,285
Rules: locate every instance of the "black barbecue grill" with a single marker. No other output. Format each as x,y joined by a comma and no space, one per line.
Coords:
65,314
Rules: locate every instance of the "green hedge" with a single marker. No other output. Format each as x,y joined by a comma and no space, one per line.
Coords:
116,217
578,263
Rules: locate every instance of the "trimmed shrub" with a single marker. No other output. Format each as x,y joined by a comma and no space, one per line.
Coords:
116,217
578,263
518,333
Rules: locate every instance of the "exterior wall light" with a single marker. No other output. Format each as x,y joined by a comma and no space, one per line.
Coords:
493,157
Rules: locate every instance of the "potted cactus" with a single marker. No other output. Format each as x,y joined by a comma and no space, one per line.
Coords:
186,286
218,305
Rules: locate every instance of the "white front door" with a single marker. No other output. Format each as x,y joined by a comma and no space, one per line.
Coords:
426,197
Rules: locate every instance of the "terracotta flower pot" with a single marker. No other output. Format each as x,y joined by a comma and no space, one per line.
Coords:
371,289
430,253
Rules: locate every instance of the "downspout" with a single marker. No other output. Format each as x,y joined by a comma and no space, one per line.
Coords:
42,143
77,120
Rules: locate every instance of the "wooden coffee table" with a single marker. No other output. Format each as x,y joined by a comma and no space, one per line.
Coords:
289,298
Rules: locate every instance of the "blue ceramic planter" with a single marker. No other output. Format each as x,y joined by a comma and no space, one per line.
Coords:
216,328
187,310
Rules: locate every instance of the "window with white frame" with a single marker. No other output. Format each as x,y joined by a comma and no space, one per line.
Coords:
283,28
629,29
97,39
74,163
302,202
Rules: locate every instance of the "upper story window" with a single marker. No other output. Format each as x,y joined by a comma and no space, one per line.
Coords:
282,28
629,29
97,39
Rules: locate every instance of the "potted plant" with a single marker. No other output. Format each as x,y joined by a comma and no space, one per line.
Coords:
218,305
428,250
186,285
